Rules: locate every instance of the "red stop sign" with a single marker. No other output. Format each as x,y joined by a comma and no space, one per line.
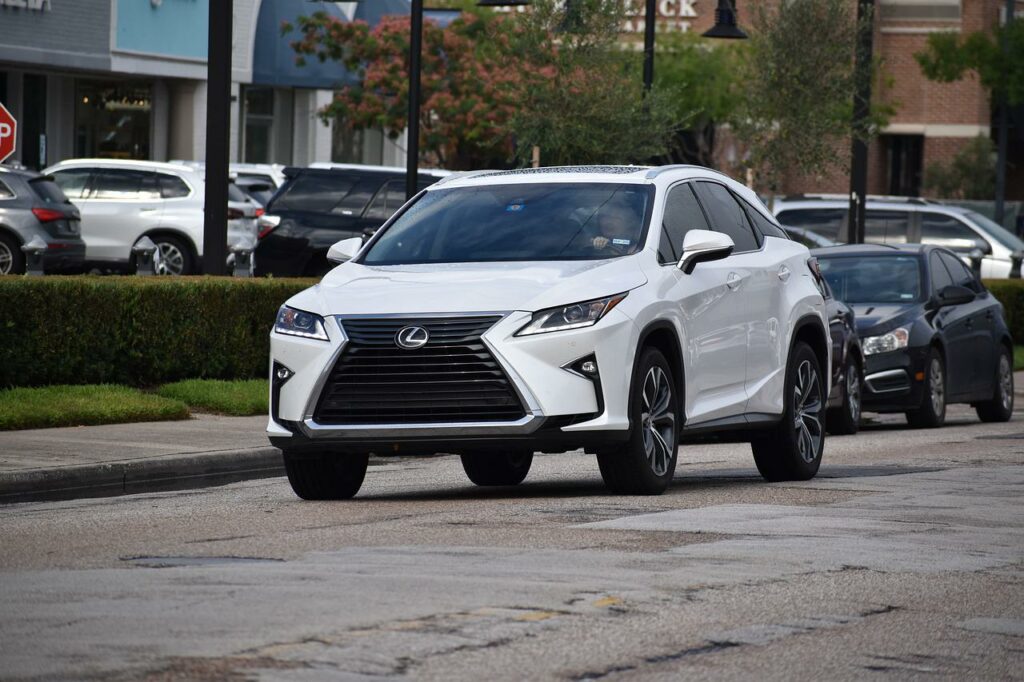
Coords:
8,133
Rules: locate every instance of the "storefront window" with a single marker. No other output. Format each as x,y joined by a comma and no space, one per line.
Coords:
112,119
259,124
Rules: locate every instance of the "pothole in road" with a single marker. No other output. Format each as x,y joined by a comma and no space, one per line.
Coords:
173,561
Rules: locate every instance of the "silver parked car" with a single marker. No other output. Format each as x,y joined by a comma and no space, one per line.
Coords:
32,207
906,220
123,201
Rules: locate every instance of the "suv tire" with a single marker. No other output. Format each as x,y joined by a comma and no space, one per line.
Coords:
932,412
845,419
1000,407
331,476
503,468
175,257
12,258
647,463
792,450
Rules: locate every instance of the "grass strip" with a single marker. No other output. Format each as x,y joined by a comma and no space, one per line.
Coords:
1018,358
237,398
48,406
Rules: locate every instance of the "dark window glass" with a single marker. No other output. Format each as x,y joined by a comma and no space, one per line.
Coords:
886,227
762,223
962,274
873,279
682,214
947,231
727,216
118,183
388,200
316,192
940,275
236,194
818,226
173,187
72,181
5,191
48,191
523,222
354,203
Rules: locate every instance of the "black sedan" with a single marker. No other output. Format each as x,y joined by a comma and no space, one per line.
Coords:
931,333
844,401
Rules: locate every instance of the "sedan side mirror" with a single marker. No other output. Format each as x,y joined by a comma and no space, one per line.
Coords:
955,294
344,250
701,246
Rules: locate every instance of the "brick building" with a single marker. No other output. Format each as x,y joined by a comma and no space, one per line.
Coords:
933,121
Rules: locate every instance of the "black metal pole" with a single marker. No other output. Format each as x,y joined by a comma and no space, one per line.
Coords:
650,19
413,127
861,111
1004,125
218,134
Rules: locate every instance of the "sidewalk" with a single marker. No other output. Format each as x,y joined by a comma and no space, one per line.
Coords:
116,459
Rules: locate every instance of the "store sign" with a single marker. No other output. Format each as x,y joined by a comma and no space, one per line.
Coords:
673,15
31,5
8,133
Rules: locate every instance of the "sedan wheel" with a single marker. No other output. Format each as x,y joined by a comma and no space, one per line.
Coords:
1000,407
932,411
845,419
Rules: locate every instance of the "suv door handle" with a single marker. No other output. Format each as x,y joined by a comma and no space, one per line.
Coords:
784,273
733,281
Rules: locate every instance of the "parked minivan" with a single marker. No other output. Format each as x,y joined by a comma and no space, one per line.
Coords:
906,220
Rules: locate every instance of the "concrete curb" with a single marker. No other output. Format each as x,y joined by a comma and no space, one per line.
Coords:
170,472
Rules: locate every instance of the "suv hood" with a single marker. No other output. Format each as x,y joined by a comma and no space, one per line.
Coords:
879,318
355,289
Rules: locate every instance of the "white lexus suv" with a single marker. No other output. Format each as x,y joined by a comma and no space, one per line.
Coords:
503,313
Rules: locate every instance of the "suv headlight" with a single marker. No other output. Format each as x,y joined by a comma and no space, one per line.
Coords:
300,323
894,340
573,316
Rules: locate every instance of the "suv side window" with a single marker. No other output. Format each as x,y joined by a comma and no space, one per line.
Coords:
122,183
727,216
314,192
171,186
947,231
5,191
825,222
73,181
940,275
962,274
886,227
765,226
682,214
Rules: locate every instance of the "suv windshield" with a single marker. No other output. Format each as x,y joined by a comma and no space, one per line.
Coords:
873,279
522,222
997,231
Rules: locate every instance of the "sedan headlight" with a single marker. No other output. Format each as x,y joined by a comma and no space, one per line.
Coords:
300,323
573,316
894,340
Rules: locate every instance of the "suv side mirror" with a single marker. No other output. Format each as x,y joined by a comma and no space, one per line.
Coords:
701,246
954,294
344,250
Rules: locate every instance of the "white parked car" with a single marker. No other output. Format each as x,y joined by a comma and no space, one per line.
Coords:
614,309
823,219
123,201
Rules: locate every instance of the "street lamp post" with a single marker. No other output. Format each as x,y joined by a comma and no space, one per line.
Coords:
218,135
861,110
1003,123
413,128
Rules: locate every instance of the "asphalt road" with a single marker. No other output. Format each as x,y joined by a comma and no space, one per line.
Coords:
902,560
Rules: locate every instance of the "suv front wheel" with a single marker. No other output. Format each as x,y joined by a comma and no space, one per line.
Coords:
792,450
646,464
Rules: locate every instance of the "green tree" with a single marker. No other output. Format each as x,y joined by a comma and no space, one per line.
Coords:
950,56
800,79
971,174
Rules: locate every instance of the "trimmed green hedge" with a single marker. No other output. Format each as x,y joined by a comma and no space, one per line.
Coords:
1010,293
139,331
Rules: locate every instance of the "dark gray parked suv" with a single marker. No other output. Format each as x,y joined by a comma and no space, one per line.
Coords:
33,205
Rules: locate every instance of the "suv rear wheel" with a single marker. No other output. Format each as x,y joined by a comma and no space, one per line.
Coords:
792,450
12,258
647,462
326,476
175,258
504,468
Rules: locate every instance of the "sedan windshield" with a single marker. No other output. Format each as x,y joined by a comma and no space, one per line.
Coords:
522,222
873,279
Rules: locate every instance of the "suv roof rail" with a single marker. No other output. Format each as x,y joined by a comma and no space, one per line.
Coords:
462,175
655,172
869,197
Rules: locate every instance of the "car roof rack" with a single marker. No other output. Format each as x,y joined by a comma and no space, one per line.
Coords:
655,172
921,201
462,175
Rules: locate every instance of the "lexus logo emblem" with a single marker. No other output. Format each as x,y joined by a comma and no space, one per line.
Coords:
411,338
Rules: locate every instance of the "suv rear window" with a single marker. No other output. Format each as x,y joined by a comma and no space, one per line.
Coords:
48,190
824,222
323,193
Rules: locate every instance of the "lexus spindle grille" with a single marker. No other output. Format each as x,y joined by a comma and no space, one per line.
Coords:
451,378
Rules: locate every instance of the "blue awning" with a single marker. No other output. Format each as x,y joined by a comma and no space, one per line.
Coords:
273,61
